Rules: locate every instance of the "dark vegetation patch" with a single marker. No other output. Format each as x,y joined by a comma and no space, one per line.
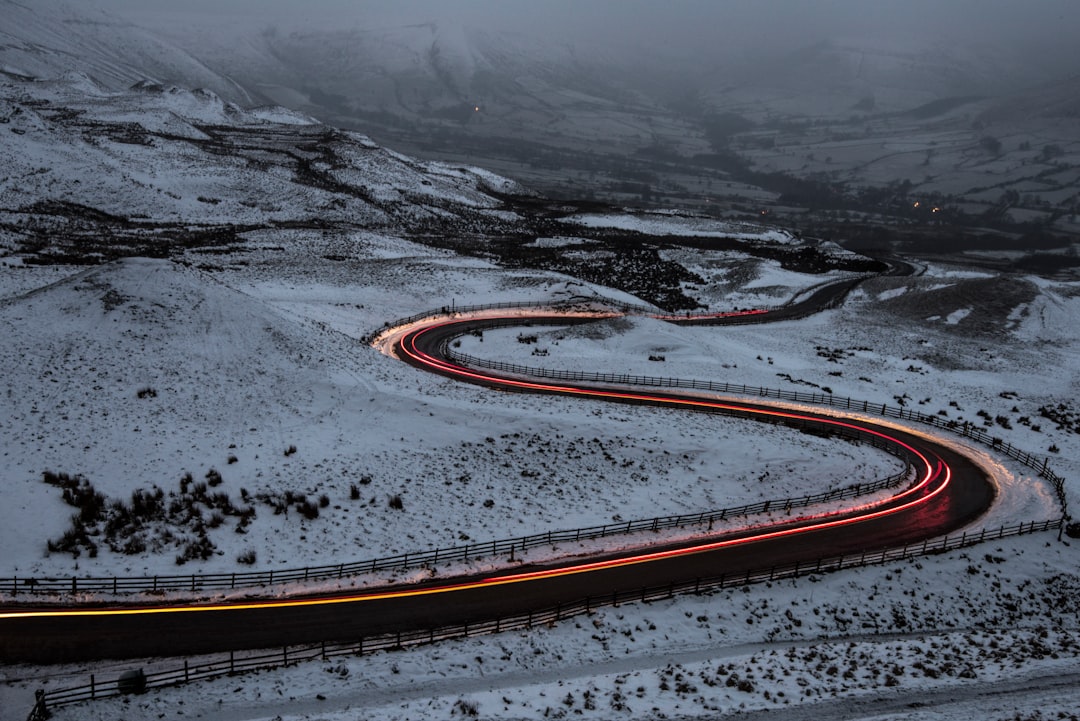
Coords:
156,521
149,521
58,232
1064,417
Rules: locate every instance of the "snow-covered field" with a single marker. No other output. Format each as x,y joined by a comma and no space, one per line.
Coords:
152,356
267,355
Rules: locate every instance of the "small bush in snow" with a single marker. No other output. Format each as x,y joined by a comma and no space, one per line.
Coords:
466,708
308,510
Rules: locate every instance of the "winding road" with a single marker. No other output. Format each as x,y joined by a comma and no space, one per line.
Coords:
948,490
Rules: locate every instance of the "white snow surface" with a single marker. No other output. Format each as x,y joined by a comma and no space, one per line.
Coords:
266,355
659,223
147,153
134,373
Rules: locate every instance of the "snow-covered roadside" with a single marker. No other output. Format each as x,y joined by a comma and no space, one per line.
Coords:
851,643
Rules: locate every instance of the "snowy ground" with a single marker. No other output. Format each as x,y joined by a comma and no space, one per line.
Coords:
267,355
236,381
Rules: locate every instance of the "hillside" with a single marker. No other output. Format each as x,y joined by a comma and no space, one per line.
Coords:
91,171
48,38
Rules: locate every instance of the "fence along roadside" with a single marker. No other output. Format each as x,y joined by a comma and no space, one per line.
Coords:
231,665
966,429
195,582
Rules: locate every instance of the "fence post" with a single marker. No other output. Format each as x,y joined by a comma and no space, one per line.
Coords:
93,686
232,664
186,676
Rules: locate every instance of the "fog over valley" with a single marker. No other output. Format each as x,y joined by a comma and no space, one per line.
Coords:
802,110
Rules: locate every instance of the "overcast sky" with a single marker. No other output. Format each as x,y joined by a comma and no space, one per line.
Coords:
1029,24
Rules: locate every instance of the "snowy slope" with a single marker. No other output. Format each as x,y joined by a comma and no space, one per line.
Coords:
48,38
148,371
161,154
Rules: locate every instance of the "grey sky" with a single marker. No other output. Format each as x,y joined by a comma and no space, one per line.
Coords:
697,23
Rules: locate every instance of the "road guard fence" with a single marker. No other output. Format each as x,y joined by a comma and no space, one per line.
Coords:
464,553
582,303
1038,464
134,681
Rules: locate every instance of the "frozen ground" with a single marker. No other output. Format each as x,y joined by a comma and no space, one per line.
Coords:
272,345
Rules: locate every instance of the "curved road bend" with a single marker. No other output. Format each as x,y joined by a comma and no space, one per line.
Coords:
950,491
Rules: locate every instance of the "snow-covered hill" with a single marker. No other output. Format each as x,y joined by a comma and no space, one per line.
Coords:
49,38
85,166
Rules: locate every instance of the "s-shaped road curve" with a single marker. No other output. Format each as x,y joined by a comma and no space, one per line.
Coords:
949,490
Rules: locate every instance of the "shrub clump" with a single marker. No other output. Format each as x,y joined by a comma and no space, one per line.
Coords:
151,520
